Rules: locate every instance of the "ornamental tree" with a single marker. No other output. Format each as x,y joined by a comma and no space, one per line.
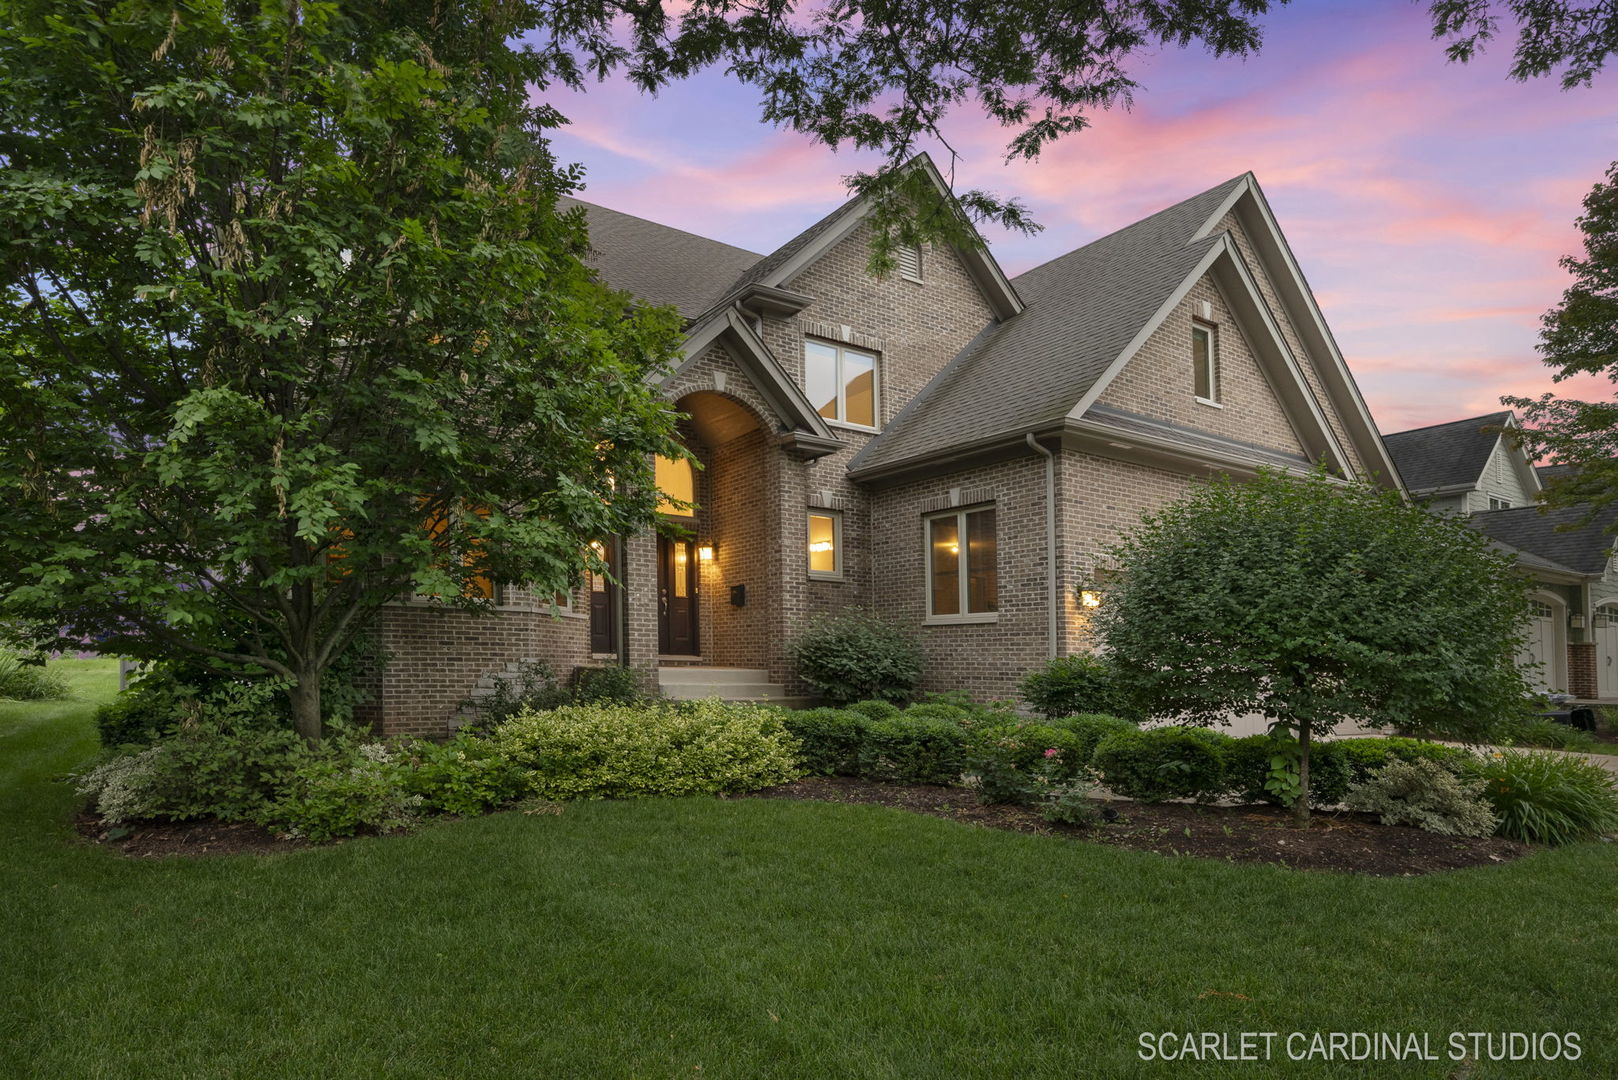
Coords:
290,327
1314,602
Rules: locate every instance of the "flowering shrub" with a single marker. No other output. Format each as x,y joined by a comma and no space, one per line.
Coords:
686,748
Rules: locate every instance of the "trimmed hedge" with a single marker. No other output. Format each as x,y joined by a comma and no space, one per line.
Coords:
1162,763
1247,767
829,740
913,750
1077,685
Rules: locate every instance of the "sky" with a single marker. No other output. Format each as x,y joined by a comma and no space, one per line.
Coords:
1428,203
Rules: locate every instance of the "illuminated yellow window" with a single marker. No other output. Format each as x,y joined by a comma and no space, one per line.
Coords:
825,544
962,564
677,482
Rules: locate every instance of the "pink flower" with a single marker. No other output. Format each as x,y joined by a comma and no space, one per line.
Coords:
1052,752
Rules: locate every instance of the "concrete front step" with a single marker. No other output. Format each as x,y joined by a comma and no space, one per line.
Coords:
728,691
668,676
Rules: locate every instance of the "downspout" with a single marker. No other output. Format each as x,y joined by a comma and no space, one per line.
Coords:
1050,540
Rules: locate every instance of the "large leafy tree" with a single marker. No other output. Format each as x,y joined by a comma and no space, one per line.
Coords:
1313,602
291,328
1580,337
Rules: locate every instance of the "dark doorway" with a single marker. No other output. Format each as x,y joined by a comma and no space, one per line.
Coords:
604,603
677,596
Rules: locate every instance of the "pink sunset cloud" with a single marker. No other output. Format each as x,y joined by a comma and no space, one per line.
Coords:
1428,203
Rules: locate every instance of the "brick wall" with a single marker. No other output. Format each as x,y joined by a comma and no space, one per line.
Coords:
1581,669
1157,381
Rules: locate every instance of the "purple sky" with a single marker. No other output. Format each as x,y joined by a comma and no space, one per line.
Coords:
1427,202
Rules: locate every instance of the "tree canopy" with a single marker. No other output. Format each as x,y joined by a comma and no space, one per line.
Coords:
1313,602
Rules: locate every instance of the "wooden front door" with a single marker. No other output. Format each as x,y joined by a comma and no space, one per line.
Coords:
677,596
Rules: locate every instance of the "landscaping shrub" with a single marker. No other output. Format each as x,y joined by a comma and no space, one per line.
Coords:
1546,797
204,769
829,739
362,787
913,750
1159,764
622,751
1254,774
616,683
874,710
1364,757
1088,729
23,681
464,776
856,657
1426,795
1071,685
939,711
532,688
149,706
1028,746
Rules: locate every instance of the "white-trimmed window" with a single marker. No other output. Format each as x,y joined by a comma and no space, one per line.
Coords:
841,382
826,544
909,259
1205,363
962,576
1499,504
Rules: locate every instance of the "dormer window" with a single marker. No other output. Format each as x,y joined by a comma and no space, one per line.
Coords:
909,259
1499,504
1204,364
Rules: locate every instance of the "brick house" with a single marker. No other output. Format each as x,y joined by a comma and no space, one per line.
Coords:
945,446
1470,467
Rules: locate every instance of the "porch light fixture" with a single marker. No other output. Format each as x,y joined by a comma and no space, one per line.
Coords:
705,553
1090,598
1576,622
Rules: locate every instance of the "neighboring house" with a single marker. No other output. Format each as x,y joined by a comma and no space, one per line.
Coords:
1469,466
949,448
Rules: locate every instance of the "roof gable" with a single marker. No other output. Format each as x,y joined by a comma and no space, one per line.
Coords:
1554,534
1450,456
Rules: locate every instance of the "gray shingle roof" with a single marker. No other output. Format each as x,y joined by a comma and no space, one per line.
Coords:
1083,308
779,257
1551,472
1583,550
1444,455
660,264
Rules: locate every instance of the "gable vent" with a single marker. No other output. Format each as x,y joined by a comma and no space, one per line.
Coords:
909,258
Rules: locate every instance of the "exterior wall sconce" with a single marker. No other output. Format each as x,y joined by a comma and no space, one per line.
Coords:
705,552
1576,622
1090,598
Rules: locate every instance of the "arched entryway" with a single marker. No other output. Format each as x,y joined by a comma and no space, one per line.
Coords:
715,579
1544,654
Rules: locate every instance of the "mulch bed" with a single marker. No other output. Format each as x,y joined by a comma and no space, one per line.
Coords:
1343,841
159,839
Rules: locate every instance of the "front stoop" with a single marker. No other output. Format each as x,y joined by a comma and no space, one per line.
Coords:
726,684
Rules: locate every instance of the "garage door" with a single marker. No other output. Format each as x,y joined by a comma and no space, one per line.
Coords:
1606,631
1541,646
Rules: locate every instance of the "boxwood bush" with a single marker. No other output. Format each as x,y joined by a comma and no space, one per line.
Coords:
621,751
1088,729
1161,763
829,740
910,749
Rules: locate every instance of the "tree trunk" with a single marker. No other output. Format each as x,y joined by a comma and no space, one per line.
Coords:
1300,808
305,695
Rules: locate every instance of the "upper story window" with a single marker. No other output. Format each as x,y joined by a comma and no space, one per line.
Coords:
1205,363
962,576
909,259
677,483
841,382
1499,504
825,544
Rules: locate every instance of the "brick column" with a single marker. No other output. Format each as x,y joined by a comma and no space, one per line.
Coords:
1581,669
640,606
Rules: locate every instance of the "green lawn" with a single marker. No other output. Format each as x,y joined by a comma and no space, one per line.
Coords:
748,939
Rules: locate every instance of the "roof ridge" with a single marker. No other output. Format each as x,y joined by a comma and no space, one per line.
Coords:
1135,224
